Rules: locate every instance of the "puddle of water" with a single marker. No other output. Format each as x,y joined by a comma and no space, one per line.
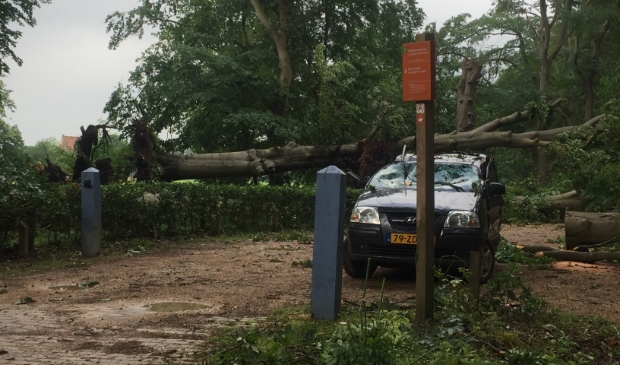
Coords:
175,307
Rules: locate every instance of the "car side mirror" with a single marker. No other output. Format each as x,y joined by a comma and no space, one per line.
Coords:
496,188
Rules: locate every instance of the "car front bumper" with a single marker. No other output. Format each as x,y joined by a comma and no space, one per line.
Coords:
452,245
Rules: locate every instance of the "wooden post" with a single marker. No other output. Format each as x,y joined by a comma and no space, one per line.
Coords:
425,165
23,239
474,278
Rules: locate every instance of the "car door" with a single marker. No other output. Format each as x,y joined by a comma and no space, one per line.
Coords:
495,204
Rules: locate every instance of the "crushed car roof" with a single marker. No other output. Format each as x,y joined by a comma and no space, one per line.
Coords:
469,158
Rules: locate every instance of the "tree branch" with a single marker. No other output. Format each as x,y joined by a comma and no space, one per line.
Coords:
262,16
563,37
513,118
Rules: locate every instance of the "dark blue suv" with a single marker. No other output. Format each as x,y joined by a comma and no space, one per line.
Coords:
468,213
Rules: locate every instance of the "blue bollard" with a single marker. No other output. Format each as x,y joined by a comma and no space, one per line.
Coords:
91,213
328,234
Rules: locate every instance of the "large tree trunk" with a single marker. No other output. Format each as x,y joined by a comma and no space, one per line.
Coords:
540,158
586,229
255,162
467,93
585,257
280,39
293,157
570,201
590,74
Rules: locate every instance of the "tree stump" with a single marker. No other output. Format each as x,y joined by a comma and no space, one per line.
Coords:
586,229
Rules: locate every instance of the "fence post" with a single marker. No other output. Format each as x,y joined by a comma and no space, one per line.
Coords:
328,233
91,213
23,239
475,272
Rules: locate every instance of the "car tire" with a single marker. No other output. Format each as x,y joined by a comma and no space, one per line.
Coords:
353,268
487,262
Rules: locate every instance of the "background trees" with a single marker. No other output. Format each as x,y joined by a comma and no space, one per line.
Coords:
235,75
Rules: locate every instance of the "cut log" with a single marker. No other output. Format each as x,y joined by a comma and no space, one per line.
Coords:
536,248
586,229
564,201
585,257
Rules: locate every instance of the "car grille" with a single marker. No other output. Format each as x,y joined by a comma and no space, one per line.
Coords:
399,251
398,220
407,251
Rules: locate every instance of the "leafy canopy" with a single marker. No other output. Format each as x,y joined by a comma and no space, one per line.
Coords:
212,77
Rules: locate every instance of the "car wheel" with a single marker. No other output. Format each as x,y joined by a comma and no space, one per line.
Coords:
353,268
487,262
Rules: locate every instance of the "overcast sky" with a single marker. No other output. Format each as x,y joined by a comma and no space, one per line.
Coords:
69,72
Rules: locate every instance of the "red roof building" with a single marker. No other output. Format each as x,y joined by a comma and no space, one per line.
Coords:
67,143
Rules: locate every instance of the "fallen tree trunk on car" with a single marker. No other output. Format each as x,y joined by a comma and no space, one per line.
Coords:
585,257
293,157
588,229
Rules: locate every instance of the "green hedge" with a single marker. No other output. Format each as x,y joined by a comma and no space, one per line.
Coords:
137,209
133,210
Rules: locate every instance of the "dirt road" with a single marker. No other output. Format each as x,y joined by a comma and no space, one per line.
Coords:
124,318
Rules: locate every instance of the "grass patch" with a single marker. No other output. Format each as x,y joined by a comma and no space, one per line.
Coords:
510,325
287,235
305,264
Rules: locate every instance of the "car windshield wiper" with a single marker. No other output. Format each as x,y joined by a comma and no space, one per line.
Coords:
455,187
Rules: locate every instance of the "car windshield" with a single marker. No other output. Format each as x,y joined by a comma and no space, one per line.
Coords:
448,176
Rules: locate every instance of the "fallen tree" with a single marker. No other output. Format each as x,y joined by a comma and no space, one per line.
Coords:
586,230
293,157
535,248
570,201
585,257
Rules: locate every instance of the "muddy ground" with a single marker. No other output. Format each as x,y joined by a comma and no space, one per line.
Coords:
224,283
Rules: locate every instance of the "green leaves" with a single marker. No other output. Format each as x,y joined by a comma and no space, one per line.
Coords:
212,79
21,192
13,12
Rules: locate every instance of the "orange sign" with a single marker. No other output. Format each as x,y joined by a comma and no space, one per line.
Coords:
418,71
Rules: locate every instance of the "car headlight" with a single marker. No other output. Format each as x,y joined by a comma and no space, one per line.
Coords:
369,215
462,219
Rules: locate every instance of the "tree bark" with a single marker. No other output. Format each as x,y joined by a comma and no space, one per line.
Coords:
585,257
467,93
585,229
293,157
255,162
